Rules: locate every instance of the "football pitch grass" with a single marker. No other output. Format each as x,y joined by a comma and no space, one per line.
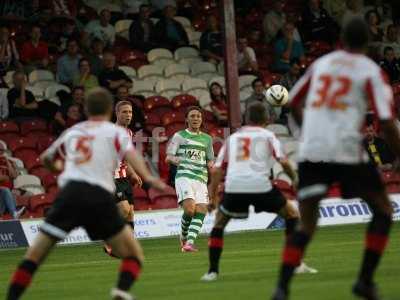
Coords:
249,268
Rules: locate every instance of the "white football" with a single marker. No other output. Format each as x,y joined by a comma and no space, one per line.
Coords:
277,95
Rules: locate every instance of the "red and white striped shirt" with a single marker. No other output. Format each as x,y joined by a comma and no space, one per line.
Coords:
121,171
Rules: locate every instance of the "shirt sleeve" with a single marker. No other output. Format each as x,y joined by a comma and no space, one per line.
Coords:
221,160
123,143
56,146
380,96
276,147
173,145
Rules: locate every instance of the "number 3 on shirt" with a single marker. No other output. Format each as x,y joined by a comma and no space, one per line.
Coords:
84,148
243,151
332,98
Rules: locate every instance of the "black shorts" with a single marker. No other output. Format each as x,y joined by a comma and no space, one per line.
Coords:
236,205
83,204
123,190
355,180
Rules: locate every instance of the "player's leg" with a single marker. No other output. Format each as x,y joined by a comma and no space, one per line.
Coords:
185,197
215,246
131,217
129,249
201,198
377,234
34,256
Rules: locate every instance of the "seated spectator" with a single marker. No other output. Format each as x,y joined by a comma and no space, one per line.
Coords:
274,20
69,30
70,111
287,49
391,40
246,57
21,102
168,32
9,57
218,104
188,8
289,79
354,9
85,77
375,32
317,25
95,56
259,96
35,53
101,29
211,41
68,64
7,200
335,8
141,31
390,64
138,116
378,150
111,77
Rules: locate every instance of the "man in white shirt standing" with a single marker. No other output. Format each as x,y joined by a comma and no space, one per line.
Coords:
101,29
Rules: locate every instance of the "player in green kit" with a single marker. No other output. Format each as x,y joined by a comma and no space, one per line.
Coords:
192,152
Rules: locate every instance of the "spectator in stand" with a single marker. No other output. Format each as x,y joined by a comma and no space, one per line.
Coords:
69,30
390,64
85,77
335,8
68,64
259,96
138,116
354,9
274,20
378,150
218,104
35,53
21,102
246,57
286,49
289,79
95,56
9,57
111,77
3,106
67,114
159,5
391,40
211,46
141,31
132,7
188,8
317,25
168,32
7,200
375,31
101,29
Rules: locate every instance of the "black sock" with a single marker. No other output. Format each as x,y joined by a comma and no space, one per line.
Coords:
290,226
215,246
292,256
21,279
376,241
132,224
128,273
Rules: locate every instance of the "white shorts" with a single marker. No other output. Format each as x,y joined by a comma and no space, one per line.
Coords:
191,189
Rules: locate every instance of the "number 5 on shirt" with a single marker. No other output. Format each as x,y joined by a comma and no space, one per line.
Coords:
84,148
243,151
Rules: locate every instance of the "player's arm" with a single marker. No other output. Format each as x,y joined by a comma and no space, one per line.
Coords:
210,155
48,156
216,175
297,96
282,159
172,149
133,176
289,170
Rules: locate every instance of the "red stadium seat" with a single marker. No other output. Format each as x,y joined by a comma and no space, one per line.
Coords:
22,201
36,125
171,129
217,132
8,127
167,195
141,204
334,191
208,116
182,102
40,203
29,157
44,142
163,167
157,104
9,137
152,121
49,180
173,117
140,194
318,48
128,55
396,88
22,143
165,203
40,172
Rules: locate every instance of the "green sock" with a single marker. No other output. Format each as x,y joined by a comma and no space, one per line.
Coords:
195,227
185,223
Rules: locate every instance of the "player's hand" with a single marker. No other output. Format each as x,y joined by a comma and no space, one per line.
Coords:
136,180
211,206
156,183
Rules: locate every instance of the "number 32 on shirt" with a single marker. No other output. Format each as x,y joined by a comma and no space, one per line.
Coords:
331,91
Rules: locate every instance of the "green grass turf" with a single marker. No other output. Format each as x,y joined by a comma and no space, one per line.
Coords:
249,268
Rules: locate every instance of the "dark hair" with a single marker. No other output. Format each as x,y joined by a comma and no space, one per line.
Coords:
18,72
369,13
190,108
211,94
355,34
390,26
258,79
388,48
294,61
82,60
256,114
144,6
122,103
77,87
71,40
98,102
